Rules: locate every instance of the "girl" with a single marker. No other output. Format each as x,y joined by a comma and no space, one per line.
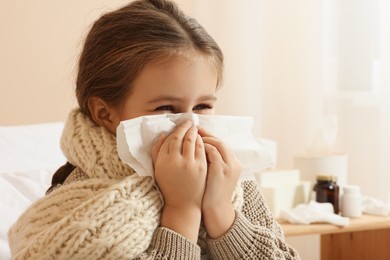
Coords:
147,58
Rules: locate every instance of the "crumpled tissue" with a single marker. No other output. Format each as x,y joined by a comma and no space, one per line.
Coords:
375,206
136,137
314,212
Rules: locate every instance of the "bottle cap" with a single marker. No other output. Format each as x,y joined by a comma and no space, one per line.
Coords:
326,178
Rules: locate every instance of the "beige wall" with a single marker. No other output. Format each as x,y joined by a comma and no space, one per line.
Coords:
40,42
39,45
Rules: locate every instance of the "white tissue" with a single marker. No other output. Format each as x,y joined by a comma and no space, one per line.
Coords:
313,212
135,138
375,206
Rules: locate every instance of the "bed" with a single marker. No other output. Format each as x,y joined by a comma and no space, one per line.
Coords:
29,155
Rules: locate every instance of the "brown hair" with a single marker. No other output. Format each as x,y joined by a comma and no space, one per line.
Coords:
121,42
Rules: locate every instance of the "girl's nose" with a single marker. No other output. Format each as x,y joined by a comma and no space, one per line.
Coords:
187,110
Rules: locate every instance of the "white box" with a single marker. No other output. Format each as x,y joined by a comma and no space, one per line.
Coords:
283,189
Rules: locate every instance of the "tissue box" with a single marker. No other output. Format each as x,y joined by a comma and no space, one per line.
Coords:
283,189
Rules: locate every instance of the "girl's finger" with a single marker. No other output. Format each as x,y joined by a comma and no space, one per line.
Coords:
157,146
212,153
225,153
189,142
175,140
200,152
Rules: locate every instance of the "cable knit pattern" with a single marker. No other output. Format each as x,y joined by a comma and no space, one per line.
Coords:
92,148
106,211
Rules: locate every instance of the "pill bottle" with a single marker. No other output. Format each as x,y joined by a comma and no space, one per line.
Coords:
327,190
351,201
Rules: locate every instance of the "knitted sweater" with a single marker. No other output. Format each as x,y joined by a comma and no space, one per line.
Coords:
106,211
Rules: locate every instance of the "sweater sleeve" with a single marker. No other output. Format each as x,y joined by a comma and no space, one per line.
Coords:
167,244
97,219
254,234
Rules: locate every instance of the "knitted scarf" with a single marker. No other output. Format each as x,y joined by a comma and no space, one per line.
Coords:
92,148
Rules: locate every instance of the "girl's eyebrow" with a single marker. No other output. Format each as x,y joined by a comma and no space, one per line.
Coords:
163,98
208,98
176,99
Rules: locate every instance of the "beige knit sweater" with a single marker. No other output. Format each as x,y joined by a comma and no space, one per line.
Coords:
106,211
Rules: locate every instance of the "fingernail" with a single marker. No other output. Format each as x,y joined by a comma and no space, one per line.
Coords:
187,123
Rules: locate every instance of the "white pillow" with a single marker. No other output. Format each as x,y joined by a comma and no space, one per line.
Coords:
29,155
30,147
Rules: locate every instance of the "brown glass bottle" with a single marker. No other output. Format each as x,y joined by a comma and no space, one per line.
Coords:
327,190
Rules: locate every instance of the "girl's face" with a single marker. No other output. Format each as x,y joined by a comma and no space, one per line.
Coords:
177,85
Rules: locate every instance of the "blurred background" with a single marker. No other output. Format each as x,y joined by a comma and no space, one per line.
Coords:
289,64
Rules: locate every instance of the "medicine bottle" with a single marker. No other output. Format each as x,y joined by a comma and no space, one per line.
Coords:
327,190
351,202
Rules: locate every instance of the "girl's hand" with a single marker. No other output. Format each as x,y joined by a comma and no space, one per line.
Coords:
180,169
222,175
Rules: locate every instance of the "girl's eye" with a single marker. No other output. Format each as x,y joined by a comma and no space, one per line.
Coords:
165,108
202,107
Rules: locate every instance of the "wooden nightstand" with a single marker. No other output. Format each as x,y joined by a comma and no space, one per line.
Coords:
365,238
